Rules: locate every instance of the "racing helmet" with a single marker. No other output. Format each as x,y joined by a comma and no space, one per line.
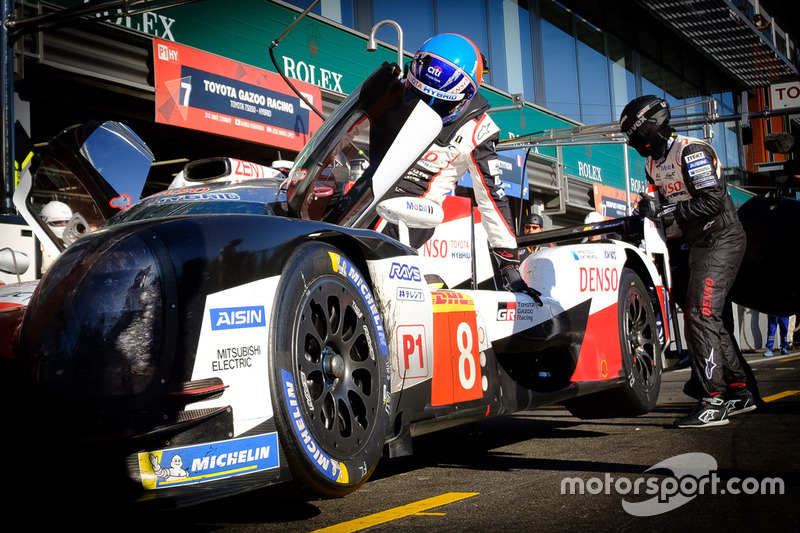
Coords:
56,215
593,217
446,73
643,122
533,218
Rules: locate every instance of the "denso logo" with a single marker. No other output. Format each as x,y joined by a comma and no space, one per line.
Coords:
598,279
238,317
404,272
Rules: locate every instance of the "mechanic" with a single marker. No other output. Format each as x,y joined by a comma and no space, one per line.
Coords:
692,191
446,73
533,224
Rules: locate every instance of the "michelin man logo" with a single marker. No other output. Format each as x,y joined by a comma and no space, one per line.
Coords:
175,469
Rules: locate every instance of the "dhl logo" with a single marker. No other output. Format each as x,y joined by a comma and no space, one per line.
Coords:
445,301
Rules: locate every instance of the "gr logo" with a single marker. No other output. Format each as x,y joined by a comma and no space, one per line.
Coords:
238,317
405,272
507,311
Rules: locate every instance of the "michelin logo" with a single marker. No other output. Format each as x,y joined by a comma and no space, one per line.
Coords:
238,317
204,462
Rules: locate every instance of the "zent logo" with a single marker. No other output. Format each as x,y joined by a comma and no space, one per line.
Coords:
405,272
238,317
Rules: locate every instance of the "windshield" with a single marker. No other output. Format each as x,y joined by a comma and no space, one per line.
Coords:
79,179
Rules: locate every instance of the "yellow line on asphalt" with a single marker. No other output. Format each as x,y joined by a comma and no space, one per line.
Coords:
398,512
780,395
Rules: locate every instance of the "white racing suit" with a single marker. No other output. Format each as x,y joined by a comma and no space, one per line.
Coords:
690,177
468,143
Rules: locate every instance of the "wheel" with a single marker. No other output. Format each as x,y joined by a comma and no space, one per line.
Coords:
639,342
329,371
641,358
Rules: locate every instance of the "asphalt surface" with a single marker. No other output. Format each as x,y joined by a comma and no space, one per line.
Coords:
510,473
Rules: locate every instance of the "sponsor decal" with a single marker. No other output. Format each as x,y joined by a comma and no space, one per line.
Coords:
579,255
235,357
418,207
506,311
404,272
238,317
183,191
436,93
610,254
451,300
695,157
697,163
705,169
412,352
672,187
195,197
348,271
664,168
598,279
208,462
446,249
407,294
708,293
330,468
705,181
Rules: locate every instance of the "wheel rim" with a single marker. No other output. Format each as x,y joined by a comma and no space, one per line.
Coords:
642,338
336,367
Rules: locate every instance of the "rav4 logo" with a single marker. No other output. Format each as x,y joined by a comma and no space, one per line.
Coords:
405,272
238,317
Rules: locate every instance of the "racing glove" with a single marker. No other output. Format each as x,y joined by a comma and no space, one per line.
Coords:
507,260
649,207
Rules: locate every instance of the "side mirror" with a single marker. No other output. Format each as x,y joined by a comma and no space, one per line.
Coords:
13,262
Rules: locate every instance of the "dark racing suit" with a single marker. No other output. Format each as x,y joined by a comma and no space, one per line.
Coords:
690,177
467,143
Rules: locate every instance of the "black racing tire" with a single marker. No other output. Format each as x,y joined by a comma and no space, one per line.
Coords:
329,371
641,358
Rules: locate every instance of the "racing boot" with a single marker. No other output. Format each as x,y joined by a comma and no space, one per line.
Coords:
739,400
711,411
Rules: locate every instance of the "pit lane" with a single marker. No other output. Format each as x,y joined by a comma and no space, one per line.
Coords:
511,472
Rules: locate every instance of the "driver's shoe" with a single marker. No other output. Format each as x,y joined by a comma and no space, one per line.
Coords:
739,400
709,412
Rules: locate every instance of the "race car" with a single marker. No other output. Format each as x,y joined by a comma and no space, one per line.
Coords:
220,337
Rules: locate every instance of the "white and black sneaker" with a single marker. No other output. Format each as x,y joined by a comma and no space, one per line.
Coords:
709,412
739,400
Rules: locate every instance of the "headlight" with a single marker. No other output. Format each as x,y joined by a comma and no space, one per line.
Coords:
95,327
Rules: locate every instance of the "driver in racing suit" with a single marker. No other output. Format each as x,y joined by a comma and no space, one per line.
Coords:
446,73
693,192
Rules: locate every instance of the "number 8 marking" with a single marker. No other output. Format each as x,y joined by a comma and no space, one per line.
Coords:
464,340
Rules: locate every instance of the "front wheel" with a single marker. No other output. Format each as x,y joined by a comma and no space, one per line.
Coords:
641,358
329,371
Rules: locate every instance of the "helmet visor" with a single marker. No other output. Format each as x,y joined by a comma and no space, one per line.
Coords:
446,104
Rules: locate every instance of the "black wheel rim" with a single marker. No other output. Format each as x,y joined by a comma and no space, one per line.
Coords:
642,337
335,366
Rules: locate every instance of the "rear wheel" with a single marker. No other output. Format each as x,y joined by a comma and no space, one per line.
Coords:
641,358
330,371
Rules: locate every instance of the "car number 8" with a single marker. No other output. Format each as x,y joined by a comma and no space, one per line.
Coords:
465,359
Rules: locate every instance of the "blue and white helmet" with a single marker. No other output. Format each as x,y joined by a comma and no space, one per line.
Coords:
446,73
